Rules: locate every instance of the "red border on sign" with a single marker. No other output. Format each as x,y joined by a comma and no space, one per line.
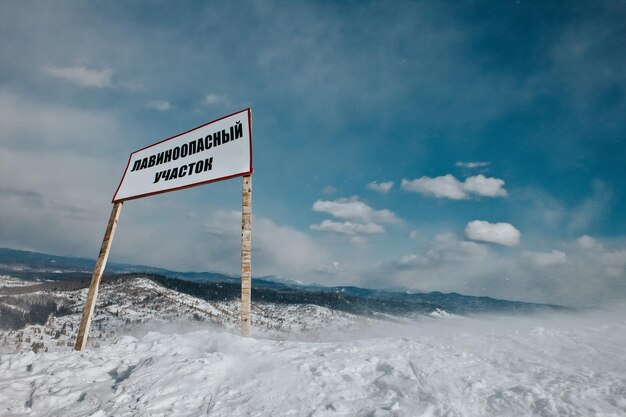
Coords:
250,171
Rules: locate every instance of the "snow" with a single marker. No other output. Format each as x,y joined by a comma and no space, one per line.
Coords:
557,365
9,281
123,304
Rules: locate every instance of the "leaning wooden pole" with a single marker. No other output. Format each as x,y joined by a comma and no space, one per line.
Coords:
246,257
90,304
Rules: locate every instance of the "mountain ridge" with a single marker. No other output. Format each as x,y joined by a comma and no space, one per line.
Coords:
38,266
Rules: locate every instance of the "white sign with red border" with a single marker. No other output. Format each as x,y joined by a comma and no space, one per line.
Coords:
215,151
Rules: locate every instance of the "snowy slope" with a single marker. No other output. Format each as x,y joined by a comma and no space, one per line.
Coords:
557,365
125,302
154,351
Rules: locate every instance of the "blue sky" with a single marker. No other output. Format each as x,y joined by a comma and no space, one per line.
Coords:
477,147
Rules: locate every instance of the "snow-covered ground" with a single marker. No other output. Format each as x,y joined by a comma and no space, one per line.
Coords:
9,281
122,305
558,365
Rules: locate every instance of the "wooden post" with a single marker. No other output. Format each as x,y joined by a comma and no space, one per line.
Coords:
246,243
90,304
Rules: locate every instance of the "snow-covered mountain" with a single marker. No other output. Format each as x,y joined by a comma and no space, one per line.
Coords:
154,351
42,297
161,345
42,267
42,316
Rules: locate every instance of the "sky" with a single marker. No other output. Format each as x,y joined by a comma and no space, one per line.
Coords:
468,146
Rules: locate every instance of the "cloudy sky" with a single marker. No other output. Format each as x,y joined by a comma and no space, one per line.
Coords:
477,147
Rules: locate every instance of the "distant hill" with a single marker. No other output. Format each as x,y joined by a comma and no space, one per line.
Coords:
40,266
43,267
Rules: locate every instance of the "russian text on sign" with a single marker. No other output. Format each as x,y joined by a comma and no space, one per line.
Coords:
217,150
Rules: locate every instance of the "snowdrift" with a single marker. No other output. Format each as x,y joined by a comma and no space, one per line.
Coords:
563,364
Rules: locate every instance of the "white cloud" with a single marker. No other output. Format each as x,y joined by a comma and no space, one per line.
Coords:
382,187
557,214
413,234
56,127
276,249
285,250
348,228
408,259
211,99
332,269
591,208
472,165
53,209
80,75
588,242
357,239
354,209
444,249
444,264
572,276
486,187
501,233
329,189
542,259
447,186
134,86
448,246
614,258
58,167
161,105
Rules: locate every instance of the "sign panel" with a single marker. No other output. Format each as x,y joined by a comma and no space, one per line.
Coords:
215,151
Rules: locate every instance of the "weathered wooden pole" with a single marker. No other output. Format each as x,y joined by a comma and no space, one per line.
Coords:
246,258
90,304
